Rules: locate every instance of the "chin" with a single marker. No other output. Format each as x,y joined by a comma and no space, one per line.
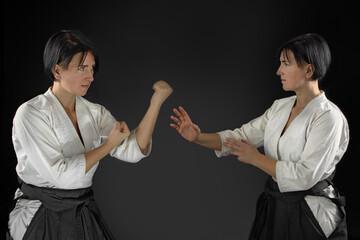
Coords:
287,89
82,92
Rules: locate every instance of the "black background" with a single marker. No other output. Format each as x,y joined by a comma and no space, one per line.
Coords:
220,59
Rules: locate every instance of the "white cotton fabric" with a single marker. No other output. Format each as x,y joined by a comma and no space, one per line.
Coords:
307,152
51,154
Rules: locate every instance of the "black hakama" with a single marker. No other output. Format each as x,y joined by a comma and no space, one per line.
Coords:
65,214
287,216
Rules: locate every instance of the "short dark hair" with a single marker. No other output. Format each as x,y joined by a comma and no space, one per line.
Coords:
309,48
62,46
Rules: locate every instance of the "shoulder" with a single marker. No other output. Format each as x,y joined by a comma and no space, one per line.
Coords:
281,104
100,116
284,101
329,111
94,108
35,107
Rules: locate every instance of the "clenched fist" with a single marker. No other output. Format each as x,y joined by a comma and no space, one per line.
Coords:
162,92
118,133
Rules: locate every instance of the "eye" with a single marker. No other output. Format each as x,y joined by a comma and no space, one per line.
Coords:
286,63
81,68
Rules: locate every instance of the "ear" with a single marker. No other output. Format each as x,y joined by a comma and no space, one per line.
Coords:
309,71
56,72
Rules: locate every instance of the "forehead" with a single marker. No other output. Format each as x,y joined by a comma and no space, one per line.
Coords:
85,58
286,55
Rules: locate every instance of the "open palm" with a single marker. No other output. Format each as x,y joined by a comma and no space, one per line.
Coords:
183,124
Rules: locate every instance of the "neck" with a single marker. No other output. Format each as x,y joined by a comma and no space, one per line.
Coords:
66,99
307,93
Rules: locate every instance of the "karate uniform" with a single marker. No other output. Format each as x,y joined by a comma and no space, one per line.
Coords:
51,154
307,152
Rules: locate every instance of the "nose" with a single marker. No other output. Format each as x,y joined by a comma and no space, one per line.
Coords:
91,78
279,71
90,74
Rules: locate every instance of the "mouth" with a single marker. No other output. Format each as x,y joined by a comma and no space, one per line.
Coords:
85,86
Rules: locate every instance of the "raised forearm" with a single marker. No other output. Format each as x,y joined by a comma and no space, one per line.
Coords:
146,127
144,131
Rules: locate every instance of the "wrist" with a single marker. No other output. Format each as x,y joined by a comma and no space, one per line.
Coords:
108,146
197,140
155,106
257,160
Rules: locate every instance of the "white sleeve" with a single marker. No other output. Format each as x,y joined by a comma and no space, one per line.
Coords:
129,150
34,137
320,154
253,132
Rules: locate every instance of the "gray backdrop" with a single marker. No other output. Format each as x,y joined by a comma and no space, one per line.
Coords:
220,58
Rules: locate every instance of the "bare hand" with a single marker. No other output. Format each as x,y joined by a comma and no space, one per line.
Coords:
118,133
245,151
185,127
162,92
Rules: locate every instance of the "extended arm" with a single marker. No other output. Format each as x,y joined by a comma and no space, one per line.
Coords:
244,150
209,140
191,132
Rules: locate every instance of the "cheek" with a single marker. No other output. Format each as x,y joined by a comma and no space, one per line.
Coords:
295,75
70,80
299,76
297,80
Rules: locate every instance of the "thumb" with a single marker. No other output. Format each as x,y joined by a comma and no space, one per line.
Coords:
155,86
123,126
196,127
116,125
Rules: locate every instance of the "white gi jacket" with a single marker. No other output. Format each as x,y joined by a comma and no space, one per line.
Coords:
51,154
307,152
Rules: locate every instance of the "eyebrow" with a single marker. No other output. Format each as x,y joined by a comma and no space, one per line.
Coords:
84,65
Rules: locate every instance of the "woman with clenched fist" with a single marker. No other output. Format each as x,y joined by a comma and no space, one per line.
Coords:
59,138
